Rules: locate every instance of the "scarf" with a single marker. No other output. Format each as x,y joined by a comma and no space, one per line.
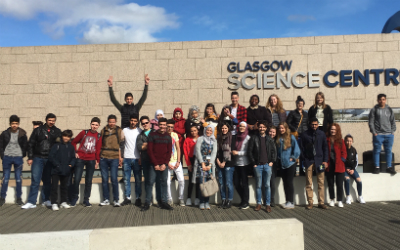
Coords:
209,139
194,108
225,144
159,111
178,110
240,137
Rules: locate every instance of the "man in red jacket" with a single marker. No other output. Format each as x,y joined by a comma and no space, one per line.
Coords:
88,154
159,149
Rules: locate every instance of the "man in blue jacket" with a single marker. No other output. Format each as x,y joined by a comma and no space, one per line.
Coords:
314,153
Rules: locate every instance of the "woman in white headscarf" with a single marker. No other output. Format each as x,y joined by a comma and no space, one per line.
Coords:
154,122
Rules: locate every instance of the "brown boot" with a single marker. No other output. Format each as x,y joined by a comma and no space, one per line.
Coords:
268,209
258,207
309,206
322,206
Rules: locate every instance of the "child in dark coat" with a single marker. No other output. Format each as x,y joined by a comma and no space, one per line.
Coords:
62,157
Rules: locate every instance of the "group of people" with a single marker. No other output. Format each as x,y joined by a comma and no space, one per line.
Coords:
238,142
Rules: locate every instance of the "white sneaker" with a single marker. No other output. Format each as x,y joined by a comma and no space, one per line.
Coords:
170,202
28,206
116,204
207,205
361,200
105,203
348,200
46,204
55,207
65,205
181,203
340,204
332,203
196,202
188,202
202,206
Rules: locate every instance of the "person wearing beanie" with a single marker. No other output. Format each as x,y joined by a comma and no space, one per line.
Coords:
129,107
256,113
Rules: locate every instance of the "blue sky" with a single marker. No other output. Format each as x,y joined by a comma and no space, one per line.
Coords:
66,22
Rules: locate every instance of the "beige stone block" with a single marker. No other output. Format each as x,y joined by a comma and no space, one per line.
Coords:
324,39
182,69
276,50
351,39
22,50
387,37
266,42
53,99
176,84
46,49
351,93
73,72
150,110
219,52
34,58
192,45
78,99
373,60
55,88
24,74
100,71
108,56
83,57
92,111
175,45
6,101
210,96
110,110
41,88
329,48
154,97
358,104
73,88
254,51
204,84
391,59
30,100
303,40
196,53
61,57
388,46
76,122
147,55
236,52
90,87
181,53
157,69
99,47
246,43
5,50
188,96
68,111
8,58
227,43
137,46
370,37
283,41
311,49
293,50
320,62
128,70
23,89
211,44
130,55
208,68
66,49
165,54
348,61
84,48
344,47
5,74
117,47
363,47
157,46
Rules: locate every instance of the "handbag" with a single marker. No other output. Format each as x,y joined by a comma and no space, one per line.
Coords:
210,187
295,133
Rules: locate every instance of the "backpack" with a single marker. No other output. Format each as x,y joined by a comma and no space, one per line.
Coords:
87,131
104,136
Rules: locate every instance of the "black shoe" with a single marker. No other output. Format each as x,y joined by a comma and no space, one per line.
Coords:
122,180
228,204
223,204
166,206
391,171
159,203
244,206
2,201
126,202
138,202
377,171
145,207
19,202
86,203
272,204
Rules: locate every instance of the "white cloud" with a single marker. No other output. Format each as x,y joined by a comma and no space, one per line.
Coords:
100,21
300,18
207,21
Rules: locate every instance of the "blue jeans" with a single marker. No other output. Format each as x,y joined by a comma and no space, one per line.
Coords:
112,165
355,175
225,179
202,198
8,161
78,172
263,174
41,170
157,176
387,141
129,165
146,165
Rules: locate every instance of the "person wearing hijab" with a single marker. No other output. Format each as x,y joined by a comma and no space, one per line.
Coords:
225,165
193,120
154,122
241,162
205,152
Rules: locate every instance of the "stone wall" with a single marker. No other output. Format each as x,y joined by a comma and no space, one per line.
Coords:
70,81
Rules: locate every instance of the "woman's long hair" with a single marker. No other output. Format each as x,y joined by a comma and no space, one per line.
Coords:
338,137
207,106
322,96
279,105
287,140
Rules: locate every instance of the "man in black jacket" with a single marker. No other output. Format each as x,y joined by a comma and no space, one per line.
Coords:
262,155
314,154
13,147
40,143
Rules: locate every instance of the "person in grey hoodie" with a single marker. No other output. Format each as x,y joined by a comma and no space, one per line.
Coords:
382,126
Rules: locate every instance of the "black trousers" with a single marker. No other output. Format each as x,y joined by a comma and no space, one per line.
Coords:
63,180
287,178
330,176
190,188
241,182
272,183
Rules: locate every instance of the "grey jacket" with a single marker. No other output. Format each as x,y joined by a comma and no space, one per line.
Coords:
199,159
142,138
381,120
